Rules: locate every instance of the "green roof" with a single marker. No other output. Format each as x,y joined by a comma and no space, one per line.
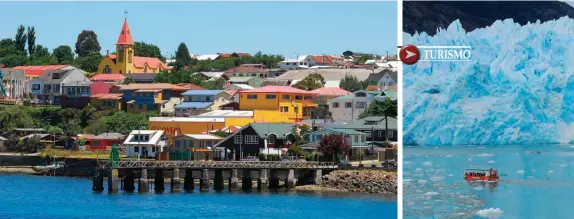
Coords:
347,131
351,96
280,129
239,79
376,122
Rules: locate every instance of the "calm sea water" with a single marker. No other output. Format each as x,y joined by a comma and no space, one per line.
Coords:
23,196
532,185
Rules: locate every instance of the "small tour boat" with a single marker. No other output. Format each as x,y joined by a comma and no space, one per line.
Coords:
481,175
52,166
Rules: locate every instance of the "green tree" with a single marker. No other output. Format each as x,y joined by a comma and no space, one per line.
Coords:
89,63
8,47
32,41
148,50
13,60
20,39
198,79
182,55
128,81
87,44
63,54
299,135
218,84
311,82
350,83
54,130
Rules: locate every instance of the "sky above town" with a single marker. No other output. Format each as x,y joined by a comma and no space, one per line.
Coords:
284,28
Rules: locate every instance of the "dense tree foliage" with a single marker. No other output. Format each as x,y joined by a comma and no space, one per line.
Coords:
311,82
87,43
89,63
381,108
20,39
71,121
148,50
334,145
31,35
350,83
63,54
13,51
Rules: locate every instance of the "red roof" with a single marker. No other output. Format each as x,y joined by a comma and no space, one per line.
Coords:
126,35
231,92
140,62
324,60
100,87
108,77
277,89
227,55
247,70
107,96
331,91
391,88
37,70
372,88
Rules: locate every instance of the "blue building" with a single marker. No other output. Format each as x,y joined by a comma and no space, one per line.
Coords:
200,101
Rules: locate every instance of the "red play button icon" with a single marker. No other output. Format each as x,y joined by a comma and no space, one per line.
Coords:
409,54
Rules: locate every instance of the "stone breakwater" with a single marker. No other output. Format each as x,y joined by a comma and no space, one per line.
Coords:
368,181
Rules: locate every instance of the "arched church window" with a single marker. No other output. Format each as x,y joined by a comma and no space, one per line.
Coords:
130,56
121,54
107,69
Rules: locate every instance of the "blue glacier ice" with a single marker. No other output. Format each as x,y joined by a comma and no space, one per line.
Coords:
518,88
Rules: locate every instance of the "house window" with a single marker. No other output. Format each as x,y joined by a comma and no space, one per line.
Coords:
286,97
361,105
237,139
356,138
271,139
360,94
251,96
137,149
177,142
364,138
284,109
298,97
107,69
335,104
380,133
390,135
152,149
56,76
251,139
368,133
35,87
348,105
271,96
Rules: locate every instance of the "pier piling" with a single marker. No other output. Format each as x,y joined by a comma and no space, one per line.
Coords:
143,184
204,181
175,183
274,180
291,181
159,181
218,180
188,183
113,180
317,174
129,181
262,182
246,181
233,180
98,183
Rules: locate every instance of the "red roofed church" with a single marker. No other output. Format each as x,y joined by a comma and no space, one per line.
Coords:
124,62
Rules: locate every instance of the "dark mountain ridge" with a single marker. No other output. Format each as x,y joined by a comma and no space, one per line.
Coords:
428,16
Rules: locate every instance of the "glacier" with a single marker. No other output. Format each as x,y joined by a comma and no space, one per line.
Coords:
518,88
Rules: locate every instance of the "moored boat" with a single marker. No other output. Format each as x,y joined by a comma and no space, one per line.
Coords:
481,175
52,166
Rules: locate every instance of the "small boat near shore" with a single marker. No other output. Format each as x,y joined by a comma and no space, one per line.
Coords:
52,166
481,175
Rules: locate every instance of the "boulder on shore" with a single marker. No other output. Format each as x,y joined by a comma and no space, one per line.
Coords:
368,181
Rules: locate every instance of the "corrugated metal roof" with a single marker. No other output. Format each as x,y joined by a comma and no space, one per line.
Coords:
186,119
202,92
227,113
196,105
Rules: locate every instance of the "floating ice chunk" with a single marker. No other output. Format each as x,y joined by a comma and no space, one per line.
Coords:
485,155
563,165
550,171
469,159
448,155
478,188
491,161
490,213
422,181
431,193
428,163
520,171
450,175
436,178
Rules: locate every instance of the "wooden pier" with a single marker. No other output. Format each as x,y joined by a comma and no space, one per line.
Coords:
268,174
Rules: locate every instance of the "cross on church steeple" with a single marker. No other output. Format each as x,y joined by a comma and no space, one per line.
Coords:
126,14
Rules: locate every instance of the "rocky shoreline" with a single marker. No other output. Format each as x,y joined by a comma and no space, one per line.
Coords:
25,170
361,181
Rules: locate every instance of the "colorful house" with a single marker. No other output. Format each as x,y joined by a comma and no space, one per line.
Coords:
324,94
200,101
52,85
258,138
349,107
201,146
105,101
76,94
291,103
149,97
125,61
103,141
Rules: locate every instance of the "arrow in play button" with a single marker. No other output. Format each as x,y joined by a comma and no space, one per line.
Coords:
409,54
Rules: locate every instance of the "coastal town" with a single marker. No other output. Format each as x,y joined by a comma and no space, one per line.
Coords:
229,106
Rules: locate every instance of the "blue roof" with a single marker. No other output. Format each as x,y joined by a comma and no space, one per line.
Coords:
202,92
197,105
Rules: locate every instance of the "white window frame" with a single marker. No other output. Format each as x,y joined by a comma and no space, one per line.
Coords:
350,104
251,139
237,139
335,104
361,105
390,134
271,139
368,133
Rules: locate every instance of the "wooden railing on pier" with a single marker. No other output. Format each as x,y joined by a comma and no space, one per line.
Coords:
107,164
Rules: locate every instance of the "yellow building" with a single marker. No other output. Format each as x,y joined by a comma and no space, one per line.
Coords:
270,102
106,101
125,62
149,97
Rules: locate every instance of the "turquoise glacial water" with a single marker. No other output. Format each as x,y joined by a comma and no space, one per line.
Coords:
23,196
532,184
